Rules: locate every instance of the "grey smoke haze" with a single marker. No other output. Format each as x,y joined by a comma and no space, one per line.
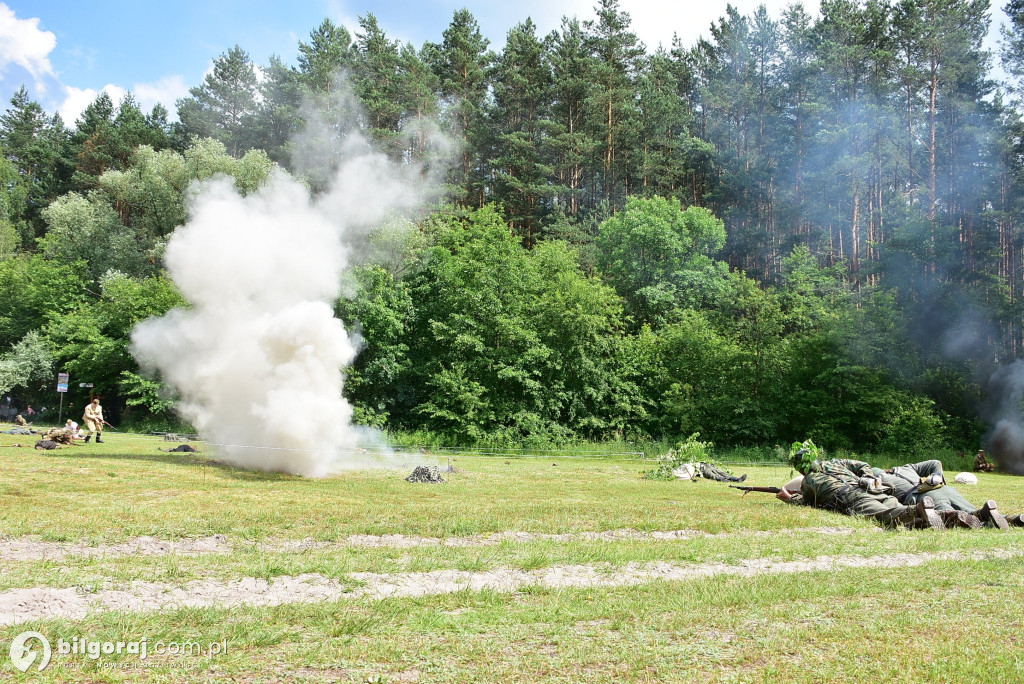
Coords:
257,360
1003,411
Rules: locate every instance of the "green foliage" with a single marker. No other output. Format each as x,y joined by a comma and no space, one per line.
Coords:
28,366
803,454
798,227
34,290
147,394
13,194
657,256
380,312
811,297
92,342
151,196
690,451
378,85
490,341
460,63
87,228
911,426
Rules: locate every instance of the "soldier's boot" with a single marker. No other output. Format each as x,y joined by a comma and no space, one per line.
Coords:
953,519
906,517
990,515
1016,520
98,435
87,438
927,518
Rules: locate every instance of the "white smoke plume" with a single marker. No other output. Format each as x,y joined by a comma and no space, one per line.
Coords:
258,358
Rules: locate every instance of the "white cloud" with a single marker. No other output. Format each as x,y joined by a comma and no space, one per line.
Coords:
22,43
166,91
77,99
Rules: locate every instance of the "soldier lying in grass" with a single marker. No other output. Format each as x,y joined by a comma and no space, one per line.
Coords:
900,497
913,481
850,487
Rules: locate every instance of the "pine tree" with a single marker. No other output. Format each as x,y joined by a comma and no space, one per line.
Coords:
37,146
572,86
377,82
225,106
418,94
325,59
279,115
329,109
798,70
461,62
612,108
664,122
522,103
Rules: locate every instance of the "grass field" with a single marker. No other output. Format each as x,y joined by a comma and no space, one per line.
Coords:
746,589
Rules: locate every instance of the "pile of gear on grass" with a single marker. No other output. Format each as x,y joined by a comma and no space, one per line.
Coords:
181,448
691,460
426,475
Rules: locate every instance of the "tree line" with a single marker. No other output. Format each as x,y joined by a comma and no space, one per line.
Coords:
798,226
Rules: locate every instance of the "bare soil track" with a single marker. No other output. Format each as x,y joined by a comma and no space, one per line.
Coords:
22,605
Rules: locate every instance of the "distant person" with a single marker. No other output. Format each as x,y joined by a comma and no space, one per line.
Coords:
981,463
93,419
20,421
30,412
709,471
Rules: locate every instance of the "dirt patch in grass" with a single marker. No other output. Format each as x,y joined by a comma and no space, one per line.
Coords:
23,605
28,549
33,550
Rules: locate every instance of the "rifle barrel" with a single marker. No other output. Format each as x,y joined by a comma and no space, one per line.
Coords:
766,490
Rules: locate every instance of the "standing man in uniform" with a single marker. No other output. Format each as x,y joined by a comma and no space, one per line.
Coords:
93,419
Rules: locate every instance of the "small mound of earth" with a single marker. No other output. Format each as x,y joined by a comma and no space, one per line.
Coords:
429,475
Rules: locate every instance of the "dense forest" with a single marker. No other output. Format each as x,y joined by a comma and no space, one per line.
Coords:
799,226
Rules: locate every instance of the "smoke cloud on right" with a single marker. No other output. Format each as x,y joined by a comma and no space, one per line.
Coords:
1003,412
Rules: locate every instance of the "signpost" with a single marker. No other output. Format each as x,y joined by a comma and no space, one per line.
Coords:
62,387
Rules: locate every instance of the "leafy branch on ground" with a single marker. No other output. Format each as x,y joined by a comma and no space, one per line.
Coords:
691,451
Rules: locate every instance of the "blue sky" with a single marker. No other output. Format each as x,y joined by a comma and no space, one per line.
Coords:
66,51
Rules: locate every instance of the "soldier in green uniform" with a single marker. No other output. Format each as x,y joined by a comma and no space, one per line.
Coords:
851,487
913,481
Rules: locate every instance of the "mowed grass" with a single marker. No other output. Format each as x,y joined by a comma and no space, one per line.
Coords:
126,488
945,621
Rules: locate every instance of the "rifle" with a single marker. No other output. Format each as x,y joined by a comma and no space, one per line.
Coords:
109,426
766,490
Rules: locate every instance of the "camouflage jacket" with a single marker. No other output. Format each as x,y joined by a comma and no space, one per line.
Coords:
831,484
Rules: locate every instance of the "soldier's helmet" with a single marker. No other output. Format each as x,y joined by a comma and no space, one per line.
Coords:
802,456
